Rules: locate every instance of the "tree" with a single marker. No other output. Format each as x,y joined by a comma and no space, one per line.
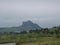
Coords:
23,32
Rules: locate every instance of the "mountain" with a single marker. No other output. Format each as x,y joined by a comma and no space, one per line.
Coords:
26,26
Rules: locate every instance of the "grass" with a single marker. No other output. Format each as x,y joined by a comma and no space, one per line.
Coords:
45,41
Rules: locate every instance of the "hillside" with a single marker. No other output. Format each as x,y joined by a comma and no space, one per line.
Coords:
45,36
26,26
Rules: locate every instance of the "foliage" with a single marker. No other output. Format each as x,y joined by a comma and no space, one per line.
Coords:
30,36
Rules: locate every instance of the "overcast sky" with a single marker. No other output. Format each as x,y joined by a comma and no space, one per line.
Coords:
45,13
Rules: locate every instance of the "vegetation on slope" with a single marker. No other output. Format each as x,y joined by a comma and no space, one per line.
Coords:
43,35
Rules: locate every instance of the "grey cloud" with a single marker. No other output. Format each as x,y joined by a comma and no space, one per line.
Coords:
43,12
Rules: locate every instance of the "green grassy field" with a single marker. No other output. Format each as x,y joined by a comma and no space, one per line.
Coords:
45,41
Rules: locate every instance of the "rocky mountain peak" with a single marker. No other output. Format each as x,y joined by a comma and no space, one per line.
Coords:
26,26
27,23
30,25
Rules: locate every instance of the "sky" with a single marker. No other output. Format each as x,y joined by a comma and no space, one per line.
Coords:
45,13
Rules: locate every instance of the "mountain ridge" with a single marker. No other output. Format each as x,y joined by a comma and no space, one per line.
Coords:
26,26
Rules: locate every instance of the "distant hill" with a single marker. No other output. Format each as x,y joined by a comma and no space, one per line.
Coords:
26,26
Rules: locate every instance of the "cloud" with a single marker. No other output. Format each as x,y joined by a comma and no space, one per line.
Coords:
43,12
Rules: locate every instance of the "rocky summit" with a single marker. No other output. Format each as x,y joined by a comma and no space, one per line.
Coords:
26,26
